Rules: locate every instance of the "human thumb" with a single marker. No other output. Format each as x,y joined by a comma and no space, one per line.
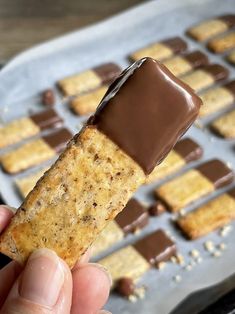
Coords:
45,286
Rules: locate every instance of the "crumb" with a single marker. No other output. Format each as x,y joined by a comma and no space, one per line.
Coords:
161,265
188,267
222,246
174,259
182,212
180,259
225,230
216,254
177,278
209,246
195,253
140,292
132,298
199,259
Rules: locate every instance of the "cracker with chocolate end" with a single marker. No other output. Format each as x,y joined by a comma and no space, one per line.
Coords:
212,27
23,128
89,79
87,103
133,217
225,125
104,164
35,152
231,57
217,98
27,183
185,151
206,76
133,261
182,64
194,184
205,219
161,50
222,44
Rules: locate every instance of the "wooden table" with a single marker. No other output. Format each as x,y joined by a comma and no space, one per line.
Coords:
24,23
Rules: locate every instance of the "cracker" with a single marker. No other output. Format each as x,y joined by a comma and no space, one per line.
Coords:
194,184
27,183
206,76
23,128
17,130
183,190
34,152
222,44
161,50
212,27
215,100
182,64
87,103
89,79
113,177
225,125
111,235
125,263
185,151
209,217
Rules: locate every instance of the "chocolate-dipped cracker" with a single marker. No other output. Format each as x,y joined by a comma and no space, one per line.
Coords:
225,125
23,128
89,79
87,103
194,184
217,98
133,261
212,27
184,152
133,217
205,76
35,152
133,129
182,64
222,44
215,214
161,50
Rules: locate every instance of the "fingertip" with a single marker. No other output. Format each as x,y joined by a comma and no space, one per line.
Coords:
6,214
91,288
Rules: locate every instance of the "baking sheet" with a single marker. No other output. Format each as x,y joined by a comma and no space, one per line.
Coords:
39,68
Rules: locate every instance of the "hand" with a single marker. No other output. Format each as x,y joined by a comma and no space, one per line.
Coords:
46,284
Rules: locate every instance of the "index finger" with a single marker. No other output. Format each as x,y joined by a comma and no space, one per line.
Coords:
6,214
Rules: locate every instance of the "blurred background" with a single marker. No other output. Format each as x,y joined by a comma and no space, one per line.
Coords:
24,23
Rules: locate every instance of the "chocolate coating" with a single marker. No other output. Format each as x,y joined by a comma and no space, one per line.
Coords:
145,111
231,87
229,19
157,209
196,58
176,44
156,248
107,72
217,172
232,193
217,71
125,286
189,150
132,217
47,119
48,97
58,140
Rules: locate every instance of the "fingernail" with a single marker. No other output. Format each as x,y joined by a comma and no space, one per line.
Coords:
104,270
43,278
104,312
